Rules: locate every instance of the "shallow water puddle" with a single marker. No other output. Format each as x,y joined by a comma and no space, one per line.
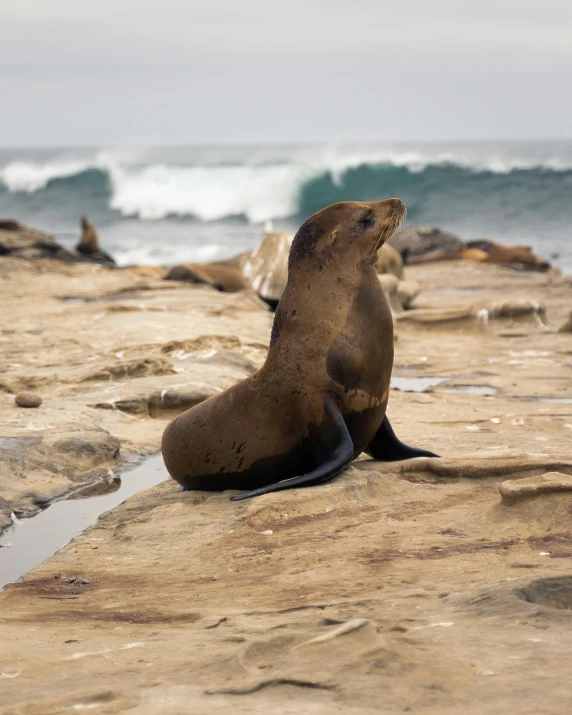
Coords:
30,541
471,389
415,384
424,384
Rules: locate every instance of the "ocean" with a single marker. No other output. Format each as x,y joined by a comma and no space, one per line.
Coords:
162,205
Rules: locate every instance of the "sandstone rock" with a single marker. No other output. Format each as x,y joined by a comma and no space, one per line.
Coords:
132,368
407,291
516,309
50,464
567,327
514,490
146,271
413,603
21,241
389,261
421,241
438,317
473,466
476,316
237,261
28,399
266,269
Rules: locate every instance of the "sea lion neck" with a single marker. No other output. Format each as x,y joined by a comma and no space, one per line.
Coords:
315,306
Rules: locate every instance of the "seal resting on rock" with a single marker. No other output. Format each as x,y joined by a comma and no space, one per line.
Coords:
224,278
88,245
320,398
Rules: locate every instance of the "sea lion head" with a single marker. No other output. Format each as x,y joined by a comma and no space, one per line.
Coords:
350,231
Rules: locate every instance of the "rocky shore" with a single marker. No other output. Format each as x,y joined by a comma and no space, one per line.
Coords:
424,586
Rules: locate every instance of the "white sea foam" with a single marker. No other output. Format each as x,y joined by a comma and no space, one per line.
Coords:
26,177
209,193
258,190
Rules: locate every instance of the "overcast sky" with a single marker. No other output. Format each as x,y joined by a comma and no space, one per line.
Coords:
77,72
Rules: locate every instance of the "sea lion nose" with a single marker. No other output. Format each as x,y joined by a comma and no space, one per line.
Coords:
394,204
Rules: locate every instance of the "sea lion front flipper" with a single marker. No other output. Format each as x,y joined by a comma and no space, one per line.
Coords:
340,452
386,447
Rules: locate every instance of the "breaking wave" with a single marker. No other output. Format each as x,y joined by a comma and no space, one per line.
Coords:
276,189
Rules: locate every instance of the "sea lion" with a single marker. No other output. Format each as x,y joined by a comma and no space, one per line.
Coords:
484,250
522,257
224,278
389,261
417,242
320,398
88,245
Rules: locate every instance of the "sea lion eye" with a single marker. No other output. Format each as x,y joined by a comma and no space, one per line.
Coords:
367,219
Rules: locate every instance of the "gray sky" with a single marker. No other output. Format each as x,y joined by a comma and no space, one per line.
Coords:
231,71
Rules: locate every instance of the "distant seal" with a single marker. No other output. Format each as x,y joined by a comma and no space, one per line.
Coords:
224,278
88,245
320,398
484,250
389,261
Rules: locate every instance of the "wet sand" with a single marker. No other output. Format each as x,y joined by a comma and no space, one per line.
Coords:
405,587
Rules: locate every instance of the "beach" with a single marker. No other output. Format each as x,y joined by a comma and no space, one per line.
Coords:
417,586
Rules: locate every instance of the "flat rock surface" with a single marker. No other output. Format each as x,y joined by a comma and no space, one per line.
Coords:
513,491
406,587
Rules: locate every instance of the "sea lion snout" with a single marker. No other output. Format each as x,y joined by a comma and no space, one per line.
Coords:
391,209
349,231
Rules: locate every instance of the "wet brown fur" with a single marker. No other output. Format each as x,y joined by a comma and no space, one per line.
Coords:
332,336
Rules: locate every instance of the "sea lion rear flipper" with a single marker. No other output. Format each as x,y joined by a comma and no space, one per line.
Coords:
340,454
386,447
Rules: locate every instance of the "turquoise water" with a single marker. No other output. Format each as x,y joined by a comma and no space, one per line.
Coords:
162,205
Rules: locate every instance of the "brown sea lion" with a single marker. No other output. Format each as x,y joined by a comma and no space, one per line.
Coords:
224,278
516,256
389,260
320,398
485,251
417,242
266,269
88,244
